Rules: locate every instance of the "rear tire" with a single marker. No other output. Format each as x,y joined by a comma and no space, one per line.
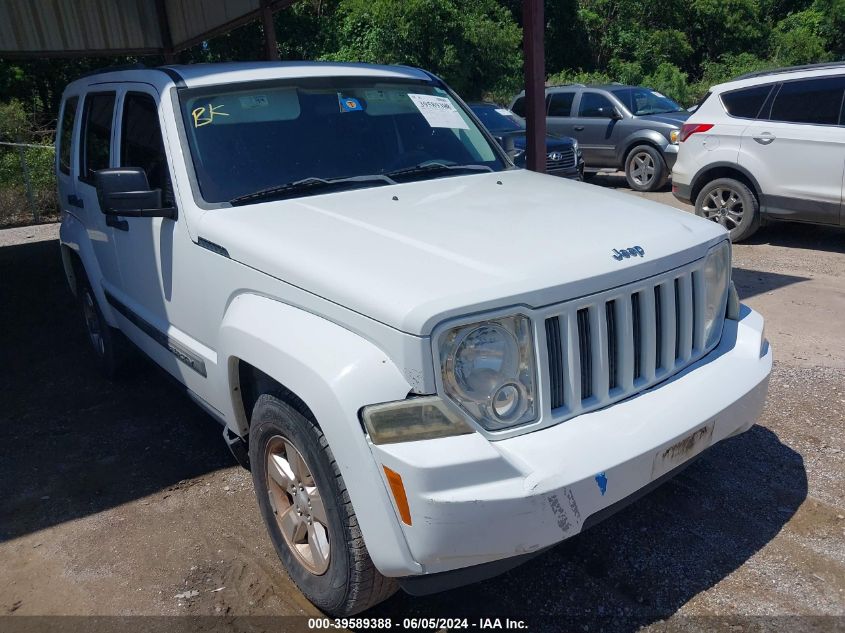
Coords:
307,511
108,344
645,169
732,204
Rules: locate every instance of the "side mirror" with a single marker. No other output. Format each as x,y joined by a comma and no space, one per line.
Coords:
615,115
125,191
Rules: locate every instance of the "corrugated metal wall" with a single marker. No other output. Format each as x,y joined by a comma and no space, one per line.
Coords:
192,18
60,26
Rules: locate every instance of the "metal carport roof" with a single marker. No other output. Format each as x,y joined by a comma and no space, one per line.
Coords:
61,28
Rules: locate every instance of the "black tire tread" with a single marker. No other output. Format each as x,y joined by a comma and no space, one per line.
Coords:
366,586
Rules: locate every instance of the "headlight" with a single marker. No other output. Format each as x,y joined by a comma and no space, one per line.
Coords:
488,369
575,147
717,277
673,136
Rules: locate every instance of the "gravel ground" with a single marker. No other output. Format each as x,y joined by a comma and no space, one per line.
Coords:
122,500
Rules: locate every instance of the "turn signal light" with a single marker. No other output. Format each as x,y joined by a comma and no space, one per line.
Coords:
688,129
394,479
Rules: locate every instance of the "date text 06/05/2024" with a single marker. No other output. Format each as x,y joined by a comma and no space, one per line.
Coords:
434,624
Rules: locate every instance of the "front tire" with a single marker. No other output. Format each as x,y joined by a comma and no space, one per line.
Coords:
307,511
732,204
645,169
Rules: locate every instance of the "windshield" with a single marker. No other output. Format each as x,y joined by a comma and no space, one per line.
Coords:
349,131
498,119
641,101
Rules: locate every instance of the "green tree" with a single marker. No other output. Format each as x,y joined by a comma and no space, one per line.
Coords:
474,45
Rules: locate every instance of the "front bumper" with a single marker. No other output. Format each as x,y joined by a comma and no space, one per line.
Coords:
576,172
474,502
670,155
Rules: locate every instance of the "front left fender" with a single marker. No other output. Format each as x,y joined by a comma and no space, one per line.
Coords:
639,137
335,372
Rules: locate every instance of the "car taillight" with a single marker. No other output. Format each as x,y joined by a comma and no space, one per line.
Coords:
688,129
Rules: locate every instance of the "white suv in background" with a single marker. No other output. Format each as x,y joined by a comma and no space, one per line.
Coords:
769,145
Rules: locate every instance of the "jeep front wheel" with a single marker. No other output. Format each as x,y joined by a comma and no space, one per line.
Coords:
305,506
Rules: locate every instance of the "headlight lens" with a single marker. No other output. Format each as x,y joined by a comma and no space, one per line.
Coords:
575,147
423,418
717,277
488,369
673,136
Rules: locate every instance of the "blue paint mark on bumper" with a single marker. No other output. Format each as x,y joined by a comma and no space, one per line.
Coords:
601,480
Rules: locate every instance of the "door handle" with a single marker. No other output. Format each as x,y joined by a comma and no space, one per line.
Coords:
117,223
75,201
765,138
578,128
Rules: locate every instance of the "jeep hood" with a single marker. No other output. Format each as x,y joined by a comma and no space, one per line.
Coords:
413,255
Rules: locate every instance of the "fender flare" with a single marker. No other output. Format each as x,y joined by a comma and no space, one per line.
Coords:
335,372
695,182
641,137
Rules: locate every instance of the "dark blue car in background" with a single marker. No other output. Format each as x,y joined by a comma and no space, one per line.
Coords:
563,156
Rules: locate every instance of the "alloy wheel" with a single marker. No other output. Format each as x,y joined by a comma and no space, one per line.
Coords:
642,169
297,505
724,206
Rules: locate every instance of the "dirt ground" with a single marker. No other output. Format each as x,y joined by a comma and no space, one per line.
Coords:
121,499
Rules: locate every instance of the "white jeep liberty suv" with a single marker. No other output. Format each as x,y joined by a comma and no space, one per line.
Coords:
435,364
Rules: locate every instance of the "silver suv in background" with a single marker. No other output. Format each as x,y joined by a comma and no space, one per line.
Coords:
617,126
767,145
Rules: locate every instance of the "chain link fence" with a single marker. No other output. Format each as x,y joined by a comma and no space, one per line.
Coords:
27,184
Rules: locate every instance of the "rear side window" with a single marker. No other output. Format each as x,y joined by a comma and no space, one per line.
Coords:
746,103
141,144
518,107
96,133
816,101
595,105
66,134
561,103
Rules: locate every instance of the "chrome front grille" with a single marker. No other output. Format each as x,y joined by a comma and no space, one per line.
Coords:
609,346
560,159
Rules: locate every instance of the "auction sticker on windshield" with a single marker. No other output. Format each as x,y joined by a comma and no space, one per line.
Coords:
439,111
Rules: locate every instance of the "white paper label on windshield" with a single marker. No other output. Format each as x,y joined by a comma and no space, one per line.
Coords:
439,111
504,112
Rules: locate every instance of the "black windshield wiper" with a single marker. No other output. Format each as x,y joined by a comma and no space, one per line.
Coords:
430,168
309,184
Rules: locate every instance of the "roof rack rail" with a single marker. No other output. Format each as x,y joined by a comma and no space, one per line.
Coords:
791,69
116,68
572,83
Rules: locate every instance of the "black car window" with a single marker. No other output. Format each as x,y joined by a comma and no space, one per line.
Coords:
746,103
817,101
518,107
560,103
96,132
595,105
642,101
498,119
141,144
66,134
